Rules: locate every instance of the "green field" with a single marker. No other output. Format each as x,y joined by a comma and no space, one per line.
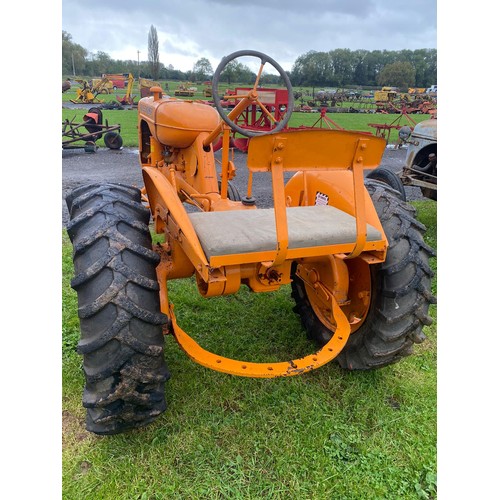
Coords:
328,434
127,118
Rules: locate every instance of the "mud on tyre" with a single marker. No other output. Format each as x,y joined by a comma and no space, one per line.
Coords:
400,296
118,306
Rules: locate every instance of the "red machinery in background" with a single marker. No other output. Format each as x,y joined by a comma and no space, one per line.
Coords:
275,102
255,117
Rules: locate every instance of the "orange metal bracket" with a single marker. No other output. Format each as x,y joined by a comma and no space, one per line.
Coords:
225,161
359,198
234,113
164,197
279,201
266,370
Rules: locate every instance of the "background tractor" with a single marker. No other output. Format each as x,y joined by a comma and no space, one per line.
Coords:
145,86
350,250
128,98
420,168
88,91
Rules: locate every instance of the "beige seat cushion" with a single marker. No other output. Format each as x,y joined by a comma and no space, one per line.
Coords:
247,231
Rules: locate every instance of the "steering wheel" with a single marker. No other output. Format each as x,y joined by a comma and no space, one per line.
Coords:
253,94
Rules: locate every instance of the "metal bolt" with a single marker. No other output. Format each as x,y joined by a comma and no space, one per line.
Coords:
313,276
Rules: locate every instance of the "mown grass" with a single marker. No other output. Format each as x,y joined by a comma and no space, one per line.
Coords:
328,434
127,119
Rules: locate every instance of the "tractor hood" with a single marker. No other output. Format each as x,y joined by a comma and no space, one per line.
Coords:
176,122
425,130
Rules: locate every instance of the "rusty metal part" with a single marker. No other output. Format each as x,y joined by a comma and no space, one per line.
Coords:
384,129
87,93
128,98
87,131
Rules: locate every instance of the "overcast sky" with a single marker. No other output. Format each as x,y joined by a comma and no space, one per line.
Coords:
191,29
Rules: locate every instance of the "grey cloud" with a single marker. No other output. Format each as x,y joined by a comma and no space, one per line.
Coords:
284,30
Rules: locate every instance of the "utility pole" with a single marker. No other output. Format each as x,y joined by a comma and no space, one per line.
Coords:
73,61
138,65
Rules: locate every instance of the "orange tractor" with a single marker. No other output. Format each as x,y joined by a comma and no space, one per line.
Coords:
350,250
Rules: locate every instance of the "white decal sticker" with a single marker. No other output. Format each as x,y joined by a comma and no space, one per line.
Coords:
321,199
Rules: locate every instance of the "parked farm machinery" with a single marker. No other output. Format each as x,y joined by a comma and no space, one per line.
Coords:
66,85
85,134
145,86
350,250
207,89
185,90
404,108
270,107
88,92
408,104
420,168
128,98
384,129
261,117
102,85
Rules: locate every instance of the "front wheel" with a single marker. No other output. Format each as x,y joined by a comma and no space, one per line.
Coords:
113,140
119,308
390,178
400,291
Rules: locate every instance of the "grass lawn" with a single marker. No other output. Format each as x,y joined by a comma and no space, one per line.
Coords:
328,434
127,118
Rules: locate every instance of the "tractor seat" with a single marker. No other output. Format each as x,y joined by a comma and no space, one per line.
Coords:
248,231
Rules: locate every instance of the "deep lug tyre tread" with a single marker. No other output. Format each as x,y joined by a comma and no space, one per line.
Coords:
401,291
118,306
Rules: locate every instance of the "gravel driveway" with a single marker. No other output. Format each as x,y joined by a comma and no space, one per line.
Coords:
123,166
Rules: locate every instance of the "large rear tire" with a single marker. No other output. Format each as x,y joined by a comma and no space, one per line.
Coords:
390,178
118,306
400,291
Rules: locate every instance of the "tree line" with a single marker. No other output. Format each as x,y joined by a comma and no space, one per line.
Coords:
345,67
335,68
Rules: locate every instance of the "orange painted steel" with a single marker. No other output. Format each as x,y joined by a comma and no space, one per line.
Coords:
267,370
336,274
178,166
305,150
